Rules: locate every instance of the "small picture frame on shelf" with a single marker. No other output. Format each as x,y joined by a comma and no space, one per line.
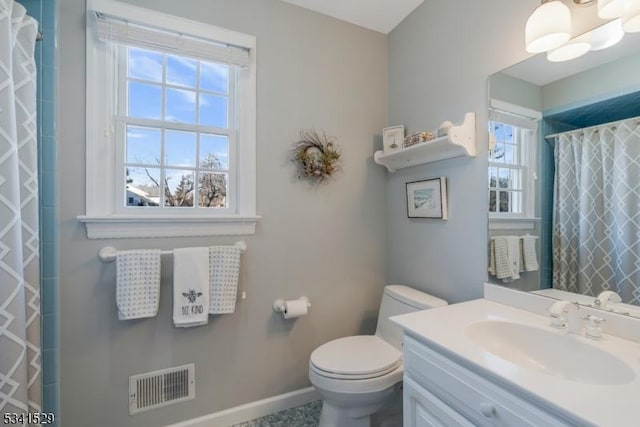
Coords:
392,138
427,198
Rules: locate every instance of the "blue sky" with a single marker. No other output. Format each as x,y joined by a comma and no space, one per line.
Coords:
182,105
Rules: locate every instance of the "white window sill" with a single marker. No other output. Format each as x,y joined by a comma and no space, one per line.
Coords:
123,226
512,223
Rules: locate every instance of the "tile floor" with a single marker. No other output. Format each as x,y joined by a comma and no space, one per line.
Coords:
301,416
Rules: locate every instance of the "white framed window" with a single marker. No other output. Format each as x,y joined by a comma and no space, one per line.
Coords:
170,126
512,166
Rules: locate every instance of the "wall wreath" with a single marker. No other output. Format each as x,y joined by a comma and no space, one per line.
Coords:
316,156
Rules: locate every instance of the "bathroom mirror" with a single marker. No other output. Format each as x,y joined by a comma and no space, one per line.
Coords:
593,95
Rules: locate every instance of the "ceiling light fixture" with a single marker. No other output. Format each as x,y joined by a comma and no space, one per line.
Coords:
607,35
631,22
572,49
609,9
548,27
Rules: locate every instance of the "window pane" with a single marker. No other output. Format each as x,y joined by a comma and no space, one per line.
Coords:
180,106
178,188
503,178
181,71
504,201
504,133
493,177
143,145
144,64
214,152
214,77
180,148
213,190
509,151
492,201
213,111
145,100
142,186
498,153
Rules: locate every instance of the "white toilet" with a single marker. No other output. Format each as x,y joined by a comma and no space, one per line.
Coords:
356,376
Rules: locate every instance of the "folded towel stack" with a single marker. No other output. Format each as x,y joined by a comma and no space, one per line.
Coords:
137,283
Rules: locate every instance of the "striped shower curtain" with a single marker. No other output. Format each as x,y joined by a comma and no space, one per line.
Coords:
596,218
20,385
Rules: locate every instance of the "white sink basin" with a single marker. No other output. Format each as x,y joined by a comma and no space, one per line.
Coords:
550,352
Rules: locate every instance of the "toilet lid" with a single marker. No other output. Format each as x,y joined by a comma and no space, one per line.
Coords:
362,355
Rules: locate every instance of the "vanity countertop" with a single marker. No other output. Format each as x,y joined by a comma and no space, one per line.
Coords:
445,329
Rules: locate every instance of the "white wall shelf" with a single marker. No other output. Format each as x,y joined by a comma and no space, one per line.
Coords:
461,141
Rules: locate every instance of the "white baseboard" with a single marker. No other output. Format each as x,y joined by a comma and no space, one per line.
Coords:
250,411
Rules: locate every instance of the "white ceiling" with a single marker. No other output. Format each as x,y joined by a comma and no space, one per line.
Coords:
377,15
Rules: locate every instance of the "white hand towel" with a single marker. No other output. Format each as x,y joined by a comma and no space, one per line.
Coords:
529,253
137,283
492,257
224,269
513,253
190,287
501,249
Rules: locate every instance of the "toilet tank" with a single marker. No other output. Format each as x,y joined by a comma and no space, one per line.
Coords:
400,299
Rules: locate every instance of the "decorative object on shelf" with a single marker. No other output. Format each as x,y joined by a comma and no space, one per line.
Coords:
417,138
459,141
316,156
427,198
392,138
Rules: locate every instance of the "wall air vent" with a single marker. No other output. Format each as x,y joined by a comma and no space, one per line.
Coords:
161,388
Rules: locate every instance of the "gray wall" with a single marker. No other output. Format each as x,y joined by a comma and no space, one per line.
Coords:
327,243
439,60
606,81
515,91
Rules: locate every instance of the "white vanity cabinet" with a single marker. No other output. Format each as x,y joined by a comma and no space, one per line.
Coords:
423,409
441,392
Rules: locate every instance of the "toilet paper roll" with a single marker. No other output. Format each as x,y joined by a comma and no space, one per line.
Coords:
295,308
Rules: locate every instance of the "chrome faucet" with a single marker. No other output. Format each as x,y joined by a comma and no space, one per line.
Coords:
605,298
594,327
571,321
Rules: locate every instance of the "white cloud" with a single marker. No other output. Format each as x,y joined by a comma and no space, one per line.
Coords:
145,65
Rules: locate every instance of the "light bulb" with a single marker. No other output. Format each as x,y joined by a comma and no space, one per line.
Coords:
573,49
631,22
548,27
608,9
607,35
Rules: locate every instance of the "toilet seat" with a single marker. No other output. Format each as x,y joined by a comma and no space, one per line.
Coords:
355,358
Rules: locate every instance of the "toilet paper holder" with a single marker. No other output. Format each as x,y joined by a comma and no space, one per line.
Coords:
279,305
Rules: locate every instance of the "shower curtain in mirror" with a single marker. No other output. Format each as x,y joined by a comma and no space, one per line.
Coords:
20,385
596,219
